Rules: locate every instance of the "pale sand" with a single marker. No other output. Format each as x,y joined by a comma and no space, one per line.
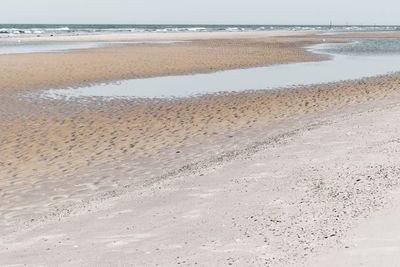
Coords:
293,191
375,241
227,178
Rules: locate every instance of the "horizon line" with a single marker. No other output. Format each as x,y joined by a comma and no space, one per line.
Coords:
206,24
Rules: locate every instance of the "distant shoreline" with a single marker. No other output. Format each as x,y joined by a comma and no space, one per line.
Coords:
32,30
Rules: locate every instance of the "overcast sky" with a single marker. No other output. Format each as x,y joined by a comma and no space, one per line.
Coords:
198,12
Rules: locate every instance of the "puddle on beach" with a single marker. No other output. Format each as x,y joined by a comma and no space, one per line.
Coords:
24,48
371,60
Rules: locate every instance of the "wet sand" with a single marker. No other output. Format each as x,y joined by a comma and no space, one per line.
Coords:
90,176
53,70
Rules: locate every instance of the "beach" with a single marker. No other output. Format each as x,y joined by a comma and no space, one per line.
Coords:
266,177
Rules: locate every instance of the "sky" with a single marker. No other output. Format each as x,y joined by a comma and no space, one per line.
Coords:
201,12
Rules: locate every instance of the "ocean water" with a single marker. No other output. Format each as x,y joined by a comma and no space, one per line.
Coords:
349,62
8,30
364,47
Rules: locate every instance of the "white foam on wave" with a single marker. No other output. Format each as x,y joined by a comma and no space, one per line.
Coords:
58,29
197,29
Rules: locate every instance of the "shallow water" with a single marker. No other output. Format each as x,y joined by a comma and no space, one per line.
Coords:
341,67
363,47
23,48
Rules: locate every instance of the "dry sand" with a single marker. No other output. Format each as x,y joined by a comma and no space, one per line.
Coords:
250,178
373,242
291,191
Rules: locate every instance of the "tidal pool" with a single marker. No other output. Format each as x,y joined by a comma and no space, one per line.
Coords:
349,62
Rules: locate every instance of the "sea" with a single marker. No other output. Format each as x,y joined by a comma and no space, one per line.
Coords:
10,30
